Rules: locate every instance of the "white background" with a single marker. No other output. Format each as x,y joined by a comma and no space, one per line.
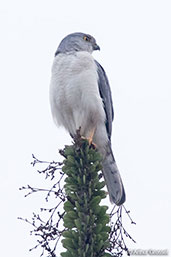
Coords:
135,41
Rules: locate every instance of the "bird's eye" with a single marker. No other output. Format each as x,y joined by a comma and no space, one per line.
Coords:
86,38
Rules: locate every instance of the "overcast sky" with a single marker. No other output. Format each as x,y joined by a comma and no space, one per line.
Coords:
135,41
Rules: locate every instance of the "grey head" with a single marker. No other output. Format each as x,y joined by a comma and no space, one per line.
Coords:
77,42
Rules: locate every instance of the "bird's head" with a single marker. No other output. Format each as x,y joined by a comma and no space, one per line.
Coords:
77,42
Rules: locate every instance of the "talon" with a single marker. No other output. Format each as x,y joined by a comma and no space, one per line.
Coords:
90,141
90,138
93,145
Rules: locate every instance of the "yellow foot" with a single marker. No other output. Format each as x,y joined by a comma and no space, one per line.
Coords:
90,141
94,146
90,138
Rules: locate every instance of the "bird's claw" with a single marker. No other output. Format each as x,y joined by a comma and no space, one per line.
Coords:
90,141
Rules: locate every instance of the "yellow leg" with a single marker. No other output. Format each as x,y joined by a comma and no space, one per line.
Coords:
90,138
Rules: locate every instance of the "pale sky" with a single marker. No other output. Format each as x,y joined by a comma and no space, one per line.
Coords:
135,41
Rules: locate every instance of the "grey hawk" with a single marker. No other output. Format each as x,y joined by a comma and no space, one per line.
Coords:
80,97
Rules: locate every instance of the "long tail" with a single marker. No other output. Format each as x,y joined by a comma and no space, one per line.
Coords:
113,179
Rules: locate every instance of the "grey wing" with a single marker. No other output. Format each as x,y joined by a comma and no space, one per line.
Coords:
110,169
105,93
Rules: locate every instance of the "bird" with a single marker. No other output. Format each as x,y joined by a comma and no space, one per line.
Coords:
80,98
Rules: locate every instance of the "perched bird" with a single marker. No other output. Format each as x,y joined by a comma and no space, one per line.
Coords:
80,97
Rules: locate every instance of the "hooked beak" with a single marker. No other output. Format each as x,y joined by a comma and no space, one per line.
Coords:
96,47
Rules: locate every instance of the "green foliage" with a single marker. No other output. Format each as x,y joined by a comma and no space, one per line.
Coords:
87,232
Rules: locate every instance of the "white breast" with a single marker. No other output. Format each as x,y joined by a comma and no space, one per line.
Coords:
74,94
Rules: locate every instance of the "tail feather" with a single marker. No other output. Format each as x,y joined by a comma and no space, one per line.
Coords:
113,179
